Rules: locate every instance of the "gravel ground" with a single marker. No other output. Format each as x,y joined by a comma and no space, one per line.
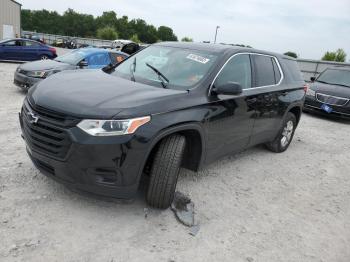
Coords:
254,206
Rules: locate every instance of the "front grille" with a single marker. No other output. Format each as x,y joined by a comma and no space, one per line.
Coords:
331,100
47,135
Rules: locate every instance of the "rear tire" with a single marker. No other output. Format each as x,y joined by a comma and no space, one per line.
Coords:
44,57
165,170
285,135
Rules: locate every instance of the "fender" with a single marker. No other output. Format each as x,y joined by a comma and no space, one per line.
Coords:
171,130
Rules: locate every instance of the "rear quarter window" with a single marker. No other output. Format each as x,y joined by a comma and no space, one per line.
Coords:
293,70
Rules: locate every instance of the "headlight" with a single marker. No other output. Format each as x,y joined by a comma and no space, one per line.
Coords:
39,74
310,92
112,127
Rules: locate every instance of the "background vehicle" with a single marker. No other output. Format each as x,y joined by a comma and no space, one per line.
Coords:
88,58
20,49
330,93
171,105
35,38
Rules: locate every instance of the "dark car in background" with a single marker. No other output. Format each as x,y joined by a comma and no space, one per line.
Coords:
329,93
87,58
170,105
21,49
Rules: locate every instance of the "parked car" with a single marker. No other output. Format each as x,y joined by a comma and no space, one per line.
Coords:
87,58
70,43
20,49
35,38
171,105
329,93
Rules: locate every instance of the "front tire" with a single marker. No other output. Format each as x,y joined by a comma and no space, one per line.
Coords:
165,170
285,135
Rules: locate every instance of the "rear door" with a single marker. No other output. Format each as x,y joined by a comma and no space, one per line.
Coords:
268,98
230,123
31,50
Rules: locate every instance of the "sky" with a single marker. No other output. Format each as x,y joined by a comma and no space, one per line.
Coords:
307,27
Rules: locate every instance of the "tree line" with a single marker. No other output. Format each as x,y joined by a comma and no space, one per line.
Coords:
337,56
107,26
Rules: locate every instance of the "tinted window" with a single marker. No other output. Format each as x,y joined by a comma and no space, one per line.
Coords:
264,73
293,69
236,70
277,71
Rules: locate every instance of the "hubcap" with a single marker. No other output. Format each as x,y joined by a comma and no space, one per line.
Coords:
287,133
44,58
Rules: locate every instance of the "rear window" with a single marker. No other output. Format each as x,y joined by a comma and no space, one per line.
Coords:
264,71
293,69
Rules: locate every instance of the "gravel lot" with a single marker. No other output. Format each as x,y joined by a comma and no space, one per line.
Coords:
254,206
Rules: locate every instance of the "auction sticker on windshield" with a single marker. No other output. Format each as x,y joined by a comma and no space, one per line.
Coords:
198,58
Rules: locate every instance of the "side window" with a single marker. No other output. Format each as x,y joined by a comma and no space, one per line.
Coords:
10,43
30,44
236,70
117,58
98,59
264,73
293,69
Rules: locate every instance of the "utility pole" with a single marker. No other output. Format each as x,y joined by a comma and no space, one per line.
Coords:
216,33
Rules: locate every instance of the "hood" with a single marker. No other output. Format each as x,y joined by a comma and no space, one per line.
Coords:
94,94
45,65
333,90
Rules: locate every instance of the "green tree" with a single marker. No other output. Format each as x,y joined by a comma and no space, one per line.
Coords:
166,34
135,38
72,23
107,33
186,39
292,54
338,56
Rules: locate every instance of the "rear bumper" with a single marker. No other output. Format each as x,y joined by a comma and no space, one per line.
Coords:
24,82
312,105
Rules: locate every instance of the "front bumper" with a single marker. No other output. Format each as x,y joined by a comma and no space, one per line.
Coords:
105,166
24,82
312,105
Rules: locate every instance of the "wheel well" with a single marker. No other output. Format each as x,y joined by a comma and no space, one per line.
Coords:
297,112
193,150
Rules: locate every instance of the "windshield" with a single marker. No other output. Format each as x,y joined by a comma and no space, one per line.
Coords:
167,67
72,58
335,77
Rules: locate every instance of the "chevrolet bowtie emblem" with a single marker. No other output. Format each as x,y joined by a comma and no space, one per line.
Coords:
33,119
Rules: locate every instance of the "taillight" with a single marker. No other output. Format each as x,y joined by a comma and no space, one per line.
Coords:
53,50
306,87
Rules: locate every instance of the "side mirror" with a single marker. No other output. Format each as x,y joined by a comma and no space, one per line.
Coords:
83,64
312,79
230,88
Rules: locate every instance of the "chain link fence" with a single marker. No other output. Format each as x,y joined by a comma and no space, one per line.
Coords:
51,39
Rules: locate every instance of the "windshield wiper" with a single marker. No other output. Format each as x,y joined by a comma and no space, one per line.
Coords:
161,77
133,69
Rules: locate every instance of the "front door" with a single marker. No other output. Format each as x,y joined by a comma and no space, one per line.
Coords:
231,118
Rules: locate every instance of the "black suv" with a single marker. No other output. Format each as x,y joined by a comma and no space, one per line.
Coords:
170,105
